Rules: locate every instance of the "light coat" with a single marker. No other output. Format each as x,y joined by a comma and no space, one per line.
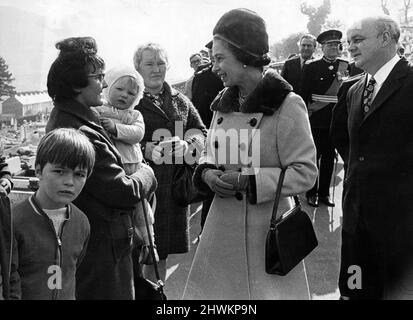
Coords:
229,262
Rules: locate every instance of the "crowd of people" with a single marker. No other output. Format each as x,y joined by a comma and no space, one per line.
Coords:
115,142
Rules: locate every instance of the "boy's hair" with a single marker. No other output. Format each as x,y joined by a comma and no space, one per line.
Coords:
66,147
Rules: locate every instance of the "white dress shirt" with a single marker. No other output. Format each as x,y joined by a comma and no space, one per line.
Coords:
382,74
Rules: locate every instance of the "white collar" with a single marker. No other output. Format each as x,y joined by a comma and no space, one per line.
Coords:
385,70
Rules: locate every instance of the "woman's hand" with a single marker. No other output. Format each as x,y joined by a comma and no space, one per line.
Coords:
5,186
238,180
221,188
108,125
176,147
153,151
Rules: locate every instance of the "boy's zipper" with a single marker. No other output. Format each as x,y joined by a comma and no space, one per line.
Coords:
59,254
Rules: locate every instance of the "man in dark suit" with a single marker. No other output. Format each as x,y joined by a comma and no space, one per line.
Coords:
320,84
292,68
377,235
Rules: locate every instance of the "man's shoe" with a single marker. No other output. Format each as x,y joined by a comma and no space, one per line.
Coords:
326,200
312,201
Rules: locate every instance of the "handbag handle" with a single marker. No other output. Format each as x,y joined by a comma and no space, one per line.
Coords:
277,198
151,247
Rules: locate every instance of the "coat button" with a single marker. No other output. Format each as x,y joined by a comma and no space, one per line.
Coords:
169,124
361,159
220,119
242,146
238,196
253,122
366,109
216,144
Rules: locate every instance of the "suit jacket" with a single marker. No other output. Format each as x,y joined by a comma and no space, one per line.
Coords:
379,180
292,72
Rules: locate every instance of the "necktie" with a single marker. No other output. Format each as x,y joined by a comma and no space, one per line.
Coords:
368,95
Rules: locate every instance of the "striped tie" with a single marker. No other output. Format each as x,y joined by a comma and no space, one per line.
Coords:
368,95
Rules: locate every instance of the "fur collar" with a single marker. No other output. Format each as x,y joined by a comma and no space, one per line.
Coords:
266,98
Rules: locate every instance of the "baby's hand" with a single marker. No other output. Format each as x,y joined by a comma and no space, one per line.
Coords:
109,125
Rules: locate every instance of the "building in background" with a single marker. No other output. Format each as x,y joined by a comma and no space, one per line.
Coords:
29,106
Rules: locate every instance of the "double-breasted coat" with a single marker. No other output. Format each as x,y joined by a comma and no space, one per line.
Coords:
268,131
108,200
176,117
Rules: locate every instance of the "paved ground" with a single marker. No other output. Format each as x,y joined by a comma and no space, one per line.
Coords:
322,264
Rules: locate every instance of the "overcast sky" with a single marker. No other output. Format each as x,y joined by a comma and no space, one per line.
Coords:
181,26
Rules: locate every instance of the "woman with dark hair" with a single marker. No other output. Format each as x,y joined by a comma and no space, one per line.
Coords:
259,126
75,83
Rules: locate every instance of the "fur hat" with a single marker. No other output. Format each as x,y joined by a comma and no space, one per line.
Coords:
244,29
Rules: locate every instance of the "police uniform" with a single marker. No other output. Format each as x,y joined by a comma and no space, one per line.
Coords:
320,83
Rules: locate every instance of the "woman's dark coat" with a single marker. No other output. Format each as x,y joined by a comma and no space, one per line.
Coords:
108,199
171,220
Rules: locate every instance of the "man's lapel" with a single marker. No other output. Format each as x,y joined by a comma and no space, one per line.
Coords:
356,113
390,86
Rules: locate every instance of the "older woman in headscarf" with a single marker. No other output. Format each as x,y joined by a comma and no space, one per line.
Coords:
268,129
173,132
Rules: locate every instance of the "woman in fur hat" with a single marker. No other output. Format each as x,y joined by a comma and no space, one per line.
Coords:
259,126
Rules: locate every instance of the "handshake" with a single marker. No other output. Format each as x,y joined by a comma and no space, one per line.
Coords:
225,184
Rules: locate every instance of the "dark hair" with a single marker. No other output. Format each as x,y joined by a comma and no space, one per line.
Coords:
77,58
66,147
247,59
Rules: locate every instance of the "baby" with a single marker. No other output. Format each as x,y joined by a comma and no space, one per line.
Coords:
126,128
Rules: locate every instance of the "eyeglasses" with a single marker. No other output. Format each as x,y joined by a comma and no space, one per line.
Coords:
97,76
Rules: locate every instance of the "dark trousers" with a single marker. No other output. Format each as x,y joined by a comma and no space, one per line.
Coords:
325,162
360,250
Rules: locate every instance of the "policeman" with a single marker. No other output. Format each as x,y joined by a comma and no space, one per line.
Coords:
320,83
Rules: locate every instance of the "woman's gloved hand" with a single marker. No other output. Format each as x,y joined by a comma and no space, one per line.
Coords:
238,180
221,188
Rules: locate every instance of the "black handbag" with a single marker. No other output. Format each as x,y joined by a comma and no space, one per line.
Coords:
183,189
290,238
144,288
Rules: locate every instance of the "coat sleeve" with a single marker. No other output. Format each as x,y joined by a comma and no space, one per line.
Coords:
195,132
306,83
338,128
15,283
132,130
109,183
296,151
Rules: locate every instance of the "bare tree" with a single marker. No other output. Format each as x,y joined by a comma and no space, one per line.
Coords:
385,7
406,8
317,16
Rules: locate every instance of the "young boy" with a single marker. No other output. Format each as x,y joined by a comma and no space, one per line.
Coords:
52,233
